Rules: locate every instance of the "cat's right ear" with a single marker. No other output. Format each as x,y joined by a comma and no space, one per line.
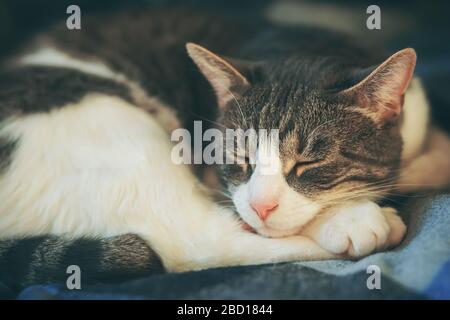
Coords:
381,94
226,80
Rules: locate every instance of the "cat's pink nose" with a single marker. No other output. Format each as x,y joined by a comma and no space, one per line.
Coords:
264,209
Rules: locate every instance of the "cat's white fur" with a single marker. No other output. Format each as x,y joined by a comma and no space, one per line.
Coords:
50,56
357,229
415,122
426,149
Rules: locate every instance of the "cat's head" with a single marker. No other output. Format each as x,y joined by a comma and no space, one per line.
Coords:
338,139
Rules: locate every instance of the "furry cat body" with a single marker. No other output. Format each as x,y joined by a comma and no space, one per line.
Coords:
87,150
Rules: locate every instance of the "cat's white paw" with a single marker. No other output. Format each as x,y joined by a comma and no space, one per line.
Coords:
357,230
397,227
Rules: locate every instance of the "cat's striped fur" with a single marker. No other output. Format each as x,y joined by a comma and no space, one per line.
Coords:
45,259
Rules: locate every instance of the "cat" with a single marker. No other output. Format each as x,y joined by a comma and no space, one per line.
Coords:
86,123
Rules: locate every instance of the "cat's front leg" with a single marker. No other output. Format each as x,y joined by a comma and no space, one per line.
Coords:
243,248
357,229
246,248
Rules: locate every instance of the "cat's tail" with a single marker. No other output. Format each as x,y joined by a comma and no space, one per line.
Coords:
58,260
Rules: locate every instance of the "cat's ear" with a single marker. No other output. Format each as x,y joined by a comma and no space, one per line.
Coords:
381,94
227,81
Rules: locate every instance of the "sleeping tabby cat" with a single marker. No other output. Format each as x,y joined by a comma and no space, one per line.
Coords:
87,177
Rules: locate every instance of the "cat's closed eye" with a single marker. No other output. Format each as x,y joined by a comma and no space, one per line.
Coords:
303,165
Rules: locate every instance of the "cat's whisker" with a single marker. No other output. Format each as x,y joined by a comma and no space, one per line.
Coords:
229,207
224,201
239,107
222,192
209,120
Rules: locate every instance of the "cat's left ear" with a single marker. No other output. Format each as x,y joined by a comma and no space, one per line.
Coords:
381,94
226,80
